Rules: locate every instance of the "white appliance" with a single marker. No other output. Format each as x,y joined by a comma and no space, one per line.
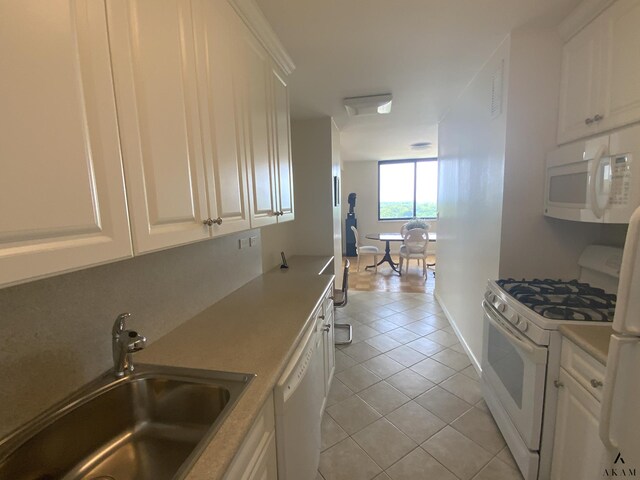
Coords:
521,349
298,403
596,180
620,414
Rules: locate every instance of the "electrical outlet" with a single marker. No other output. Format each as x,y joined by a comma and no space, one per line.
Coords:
253,241
243,243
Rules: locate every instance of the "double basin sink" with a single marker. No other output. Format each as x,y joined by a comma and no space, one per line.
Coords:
151,424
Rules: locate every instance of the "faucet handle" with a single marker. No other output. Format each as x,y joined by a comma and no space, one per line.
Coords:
118,325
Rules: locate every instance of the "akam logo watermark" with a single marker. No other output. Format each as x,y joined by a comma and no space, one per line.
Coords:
619,468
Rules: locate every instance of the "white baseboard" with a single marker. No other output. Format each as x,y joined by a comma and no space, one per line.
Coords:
472,357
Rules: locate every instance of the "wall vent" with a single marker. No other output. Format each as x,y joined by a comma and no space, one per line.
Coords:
496,91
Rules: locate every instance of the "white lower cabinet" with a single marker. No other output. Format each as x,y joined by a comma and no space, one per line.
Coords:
256,459
578,451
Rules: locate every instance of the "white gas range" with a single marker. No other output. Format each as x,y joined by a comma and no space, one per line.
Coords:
521,349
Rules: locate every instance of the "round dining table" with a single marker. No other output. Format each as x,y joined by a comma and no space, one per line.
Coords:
388,238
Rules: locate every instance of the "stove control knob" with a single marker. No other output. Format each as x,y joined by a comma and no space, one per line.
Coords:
492,298
515,319
501,306
523,325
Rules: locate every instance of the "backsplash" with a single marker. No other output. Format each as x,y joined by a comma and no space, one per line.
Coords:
55,334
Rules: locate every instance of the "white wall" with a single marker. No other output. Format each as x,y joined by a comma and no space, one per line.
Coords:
315,146
313,181
361,177
533,245
280,237
336,171
470,187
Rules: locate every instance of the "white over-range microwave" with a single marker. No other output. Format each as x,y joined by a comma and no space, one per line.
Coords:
596,180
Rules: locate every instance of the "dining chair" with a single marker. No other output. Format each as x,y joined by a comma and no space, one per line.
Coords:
414,247
340,300
364,250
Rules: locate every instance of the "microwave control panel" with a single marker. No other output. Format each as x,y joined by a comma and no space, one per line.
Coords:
620,180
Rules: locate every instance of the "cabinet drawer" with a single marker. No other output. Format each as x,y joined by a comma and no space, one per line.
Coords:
583,367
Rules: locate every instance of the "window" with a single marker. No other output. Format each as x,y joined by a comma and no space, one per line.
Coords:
407,189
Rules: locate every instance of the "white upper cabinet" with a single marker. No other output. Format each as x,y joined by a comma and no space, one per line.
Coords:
268,139
177,99
219,51
282,145
261,161
155,81
62,198
621,97
581,84
600,86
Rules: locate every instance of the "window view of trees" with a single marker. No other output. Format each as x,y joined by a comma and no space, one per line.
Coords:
407,189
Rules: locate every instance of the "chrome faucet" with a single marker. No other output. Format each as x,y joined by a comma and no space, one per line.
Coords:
125,342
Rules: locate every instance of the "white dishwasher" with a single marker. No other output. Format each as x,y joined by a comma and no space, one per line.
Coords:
298,401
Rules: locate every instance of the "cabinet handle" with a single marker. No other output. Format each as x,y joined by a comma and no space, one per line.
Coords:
558,384
598,117
210,221
595,383
327,327
321,317
588,121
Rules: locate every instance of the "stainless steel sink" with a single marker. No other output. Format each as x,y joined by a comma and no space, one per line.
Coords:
151,425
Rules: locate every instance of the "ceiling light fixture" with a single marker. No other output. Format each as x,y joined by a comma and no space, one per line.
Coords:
420,145
371,105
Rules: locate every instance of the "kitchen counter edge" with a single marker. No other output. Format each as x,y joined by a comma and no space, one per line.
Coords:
594,339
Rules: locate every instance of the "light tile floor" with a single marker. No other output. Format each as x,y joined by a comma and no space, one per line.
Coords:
405,403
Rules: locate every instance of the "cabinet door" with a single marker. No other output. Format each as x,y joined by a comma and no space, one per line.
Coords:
260,159
622,64
154,72
218,45
580,84
266,467
62,197
282,143
577,449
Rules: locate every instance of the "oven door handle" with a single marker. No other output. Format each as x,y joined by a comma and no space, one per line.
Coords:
523,345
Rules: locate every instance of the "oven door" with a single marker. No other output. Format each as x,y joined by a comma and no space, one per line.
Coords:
514,368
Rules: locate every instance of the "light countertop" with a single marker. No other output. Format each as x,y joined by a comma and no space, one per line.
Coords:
253,330
307,264
593,339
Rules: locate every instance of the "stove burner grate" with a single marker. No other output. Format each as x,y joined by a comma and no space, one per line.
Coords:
557,299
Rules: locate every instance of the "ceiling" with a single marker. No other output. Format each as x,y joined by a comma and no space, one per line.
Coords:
424,52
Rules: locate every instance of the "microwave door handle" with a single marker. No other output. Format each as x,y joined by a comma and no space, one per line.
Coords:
597,210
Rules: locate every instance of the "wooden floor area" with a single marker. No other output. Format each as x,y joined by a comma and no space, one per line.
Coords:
386,280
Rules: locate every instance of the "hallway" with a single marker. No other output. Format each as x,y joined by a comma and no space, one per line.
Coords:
405,403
